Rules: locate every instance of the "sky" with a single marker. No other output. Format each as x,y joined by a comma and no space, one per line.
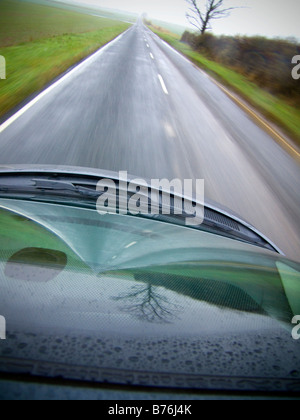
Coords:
272,18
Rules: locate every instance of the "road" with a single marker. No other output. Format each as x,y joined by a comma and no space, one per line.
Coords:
139,106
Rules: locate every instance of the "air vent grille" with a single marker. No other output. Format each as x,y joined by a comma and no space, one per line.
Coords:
220,219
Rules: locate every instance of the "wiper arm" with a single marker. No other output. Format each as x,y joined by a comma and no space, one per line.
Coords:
65,186
82,190
32,186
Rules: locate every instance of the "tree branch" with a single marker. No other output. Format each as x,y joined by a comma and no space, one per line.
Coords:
214,9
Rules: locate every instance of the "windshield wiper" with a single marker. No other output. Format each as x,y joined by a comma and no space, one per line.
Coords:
35,186
82,190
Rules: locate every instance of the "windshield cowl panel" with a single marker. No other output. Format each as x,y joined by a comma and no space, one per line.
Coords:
84,190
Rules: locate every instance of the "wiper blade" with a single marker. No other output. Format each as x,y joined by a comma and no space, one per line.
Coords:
45,186
65,186
82,190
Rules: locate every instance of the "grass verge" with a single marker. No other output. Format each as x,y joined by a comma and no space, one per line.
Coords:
47,42
273,108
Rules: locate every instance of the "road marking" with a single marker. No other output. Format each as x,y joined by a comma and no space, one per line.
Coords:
30,104
239,102
169,130
256,116
148,46
130,245
151,55
164,88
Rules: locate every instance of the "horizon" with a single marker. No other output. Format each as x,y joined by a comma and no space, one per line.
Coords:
253,17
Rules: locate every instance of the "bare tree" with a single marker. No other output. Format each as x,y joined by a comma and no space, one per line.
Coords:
147,304
201,19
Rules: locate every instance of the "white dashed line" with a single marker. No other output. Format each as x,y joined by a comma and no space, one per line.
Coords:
130,245
164,88
151,55
169,130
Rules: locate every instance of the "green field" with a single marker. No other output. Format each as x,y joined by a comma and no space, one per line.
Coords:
275,109
39,43
170,27
90,10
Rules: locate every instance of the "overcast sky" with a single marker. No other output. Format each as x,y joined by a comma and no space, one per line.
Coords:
264,17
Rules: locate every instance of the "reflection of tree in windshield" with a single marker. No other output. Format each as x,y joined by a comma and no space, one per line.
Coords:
144,302
226,289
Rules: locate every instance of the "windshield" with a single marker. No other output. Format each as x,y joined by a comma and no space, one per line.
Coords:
128,300
149,192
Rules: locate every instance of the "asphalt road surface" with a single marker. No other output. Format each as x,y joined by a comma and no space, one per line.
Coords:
139,106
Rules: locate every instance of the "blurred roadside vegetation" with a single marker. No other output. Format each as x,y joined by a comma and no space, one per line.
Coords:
256,68
40,43
266,62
